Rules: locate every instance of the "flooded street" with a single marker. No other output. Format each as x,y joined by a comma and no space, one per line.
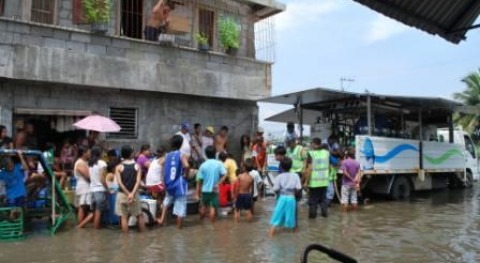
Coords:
433,227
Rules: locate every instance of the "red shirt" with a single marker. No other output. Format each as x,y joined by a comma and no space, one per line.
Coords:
225,195
260,154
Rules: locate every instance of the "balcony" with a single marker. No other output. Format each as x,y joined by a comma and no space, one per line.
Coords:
56,48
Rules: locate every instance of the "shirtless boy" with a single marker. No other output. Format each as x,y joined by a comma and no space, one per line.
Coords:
221,140
243,192
158,20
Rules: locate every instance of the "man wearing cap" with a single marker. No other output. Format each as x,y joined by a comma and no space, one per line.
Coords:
186,148
207,140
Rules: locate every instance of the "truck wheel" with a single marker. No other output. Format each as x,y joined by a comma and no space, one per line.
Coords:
401,188
468,180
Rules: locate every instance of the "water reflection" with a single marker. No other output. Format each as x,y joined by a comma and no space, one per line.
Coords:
441,226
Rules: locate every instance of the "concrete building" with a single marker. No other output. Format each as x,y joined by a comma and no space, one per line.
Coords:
53,70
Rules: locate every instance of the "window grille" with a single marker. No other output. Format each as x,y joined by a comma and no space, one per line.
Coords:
127,119
43,11
132,18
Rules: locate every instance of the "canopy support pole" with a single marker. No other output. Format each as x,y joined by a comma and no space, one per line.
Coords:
369,114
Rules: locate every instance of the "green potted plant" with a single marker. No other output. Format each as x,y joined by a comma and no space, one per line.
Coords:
229,35
202,40
97,13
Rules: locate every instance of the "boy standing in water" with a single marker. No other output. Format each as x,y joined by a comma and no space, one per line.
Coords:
243,191
129,176
210,175
175,173
286,185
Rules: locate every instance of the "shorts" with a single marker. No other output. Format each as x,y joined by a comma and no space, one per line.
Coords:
349,192
83,199
124,209
151,33
179,204
99,201
156,189
210,199
285,213
244,202
19,201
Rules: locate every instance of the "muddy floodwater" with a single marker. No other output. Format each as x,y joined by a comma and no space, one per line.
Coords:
433,227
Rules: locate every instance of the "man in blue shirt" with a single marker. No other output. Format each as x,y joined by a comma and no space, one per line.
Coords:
13,173
210,174
175,171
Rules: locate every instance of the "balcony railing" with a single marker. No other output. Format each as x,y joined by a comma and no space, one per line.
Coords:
129,18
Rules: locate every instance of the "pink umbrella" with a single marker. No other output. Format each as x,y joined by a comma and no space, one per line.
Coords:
97,123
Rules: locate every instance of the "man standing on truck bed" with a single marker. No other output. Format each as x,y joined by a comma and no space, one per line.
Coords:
317,178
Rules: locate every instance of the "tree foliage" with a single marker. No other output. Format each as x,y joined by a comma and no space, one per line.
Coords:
470,97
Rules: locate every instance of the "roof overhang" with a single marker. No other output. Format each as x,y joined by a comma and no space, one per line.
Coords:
315,102
449,19
266,8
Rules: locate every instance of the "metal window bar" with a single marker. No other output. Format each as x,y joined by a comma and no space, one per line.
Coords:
132,18
42,11
2,7
127,119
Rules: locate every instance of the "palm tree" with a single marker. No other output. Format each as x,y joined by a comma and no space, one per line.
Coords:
470,97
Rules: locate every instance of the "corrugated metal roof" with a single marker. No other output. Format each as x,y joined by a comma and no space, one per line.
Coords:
447,18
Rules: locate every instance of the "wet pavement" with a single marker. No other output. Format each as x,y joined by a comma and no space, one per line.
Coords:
432,227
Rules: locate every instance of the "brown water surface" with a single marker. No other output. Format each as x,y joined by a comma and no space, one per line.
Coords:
436,227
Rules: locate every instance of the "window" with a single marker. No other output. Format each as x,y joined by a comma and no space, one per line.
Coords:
206,24
43,11
2,4
132,18
127,119
470,146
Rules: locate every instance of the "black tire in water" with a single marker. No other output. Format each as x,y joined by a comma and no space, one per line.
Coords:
401,188
468,180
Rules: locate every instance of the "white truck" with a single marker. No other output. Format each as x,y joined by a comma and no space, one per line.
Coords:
397,140
399,166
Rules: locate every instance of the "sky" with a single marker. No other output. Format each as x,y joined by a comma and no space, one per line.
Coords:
318,42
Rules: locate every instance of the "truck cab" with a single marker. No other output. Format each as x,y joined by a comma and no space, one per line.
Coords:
462,138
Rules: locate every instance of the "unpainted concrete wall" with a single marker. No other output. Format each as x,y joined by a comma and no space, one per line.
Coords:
159,114
76,57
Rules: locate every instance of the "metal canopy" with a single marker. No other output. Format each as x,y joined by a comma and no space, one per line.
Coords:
313,102
449,19
321,96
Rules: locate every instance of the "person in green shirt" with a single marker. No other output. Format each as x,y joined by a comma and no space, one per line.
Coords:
317,178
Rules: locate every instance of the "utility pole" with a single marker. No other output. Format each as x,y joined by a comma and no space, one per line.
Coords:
343,80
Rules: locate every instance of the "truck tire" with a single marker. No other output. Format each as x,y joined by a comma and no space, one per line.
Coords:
468,180
401,188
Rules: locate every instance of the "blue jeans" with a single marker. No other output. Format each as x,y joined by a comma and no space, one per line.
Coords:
330,192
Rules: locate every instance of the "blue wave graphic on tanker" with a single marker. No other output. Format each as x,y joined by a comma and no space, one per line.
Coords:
369,152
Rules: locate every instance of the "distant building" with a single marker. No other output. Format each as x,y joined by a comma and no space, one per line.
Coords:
53,70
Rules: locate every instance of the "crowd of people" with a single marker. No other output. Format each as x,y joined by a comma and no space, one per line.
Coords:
195,155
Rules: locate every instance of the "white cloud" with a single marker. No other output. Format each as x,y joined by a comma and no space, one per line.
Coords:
383,28
304,11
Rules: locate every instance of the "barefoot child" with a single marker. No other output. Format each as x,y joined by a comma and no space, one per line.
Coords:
128,175
243,191
210,175
286,185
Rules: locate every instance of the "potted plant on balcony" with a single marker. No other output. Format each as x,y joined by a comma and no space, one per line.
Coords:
202,40
229,34
97,13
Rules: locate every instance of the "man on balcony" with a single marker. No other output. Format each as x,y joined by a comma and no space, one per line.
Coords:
159,20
